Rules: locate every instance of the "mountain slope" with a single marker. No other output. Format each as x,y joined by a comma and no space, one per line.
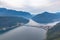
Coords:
10,22
54,33
46,18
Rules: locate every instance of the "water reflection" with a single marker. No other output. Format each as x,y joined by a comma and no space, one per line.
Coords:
24,33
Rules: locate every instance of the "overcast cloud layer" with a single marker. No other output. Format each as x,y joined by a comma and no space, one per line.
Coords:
33,6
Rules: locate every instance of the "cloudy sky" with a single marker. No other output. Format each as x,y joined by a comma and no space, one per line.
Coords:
33,6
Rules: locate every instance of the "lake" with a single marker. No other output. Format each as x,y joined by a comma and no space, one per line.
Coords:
24,33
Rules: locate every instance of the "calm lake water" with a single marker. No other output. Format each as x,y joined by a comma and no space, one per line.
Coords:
24,33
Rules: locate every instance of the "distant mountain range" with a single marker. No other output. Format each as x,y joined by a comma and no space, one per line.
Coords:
54,33
46,17
43,18
8,12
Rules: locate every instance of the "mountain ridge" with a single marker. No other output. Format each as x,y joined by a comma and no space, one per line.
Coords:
8,12
46,17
